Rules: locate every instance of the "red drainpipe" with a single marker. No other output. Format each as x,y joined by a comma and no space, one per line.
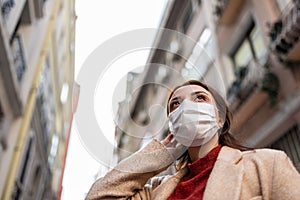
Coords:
75,97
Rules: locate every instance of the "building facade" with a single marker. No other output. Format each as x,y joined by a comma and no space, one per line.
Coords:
247,50
37,45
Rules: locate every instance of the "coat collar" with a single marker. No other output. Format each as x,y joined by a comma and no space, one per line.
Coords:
226,177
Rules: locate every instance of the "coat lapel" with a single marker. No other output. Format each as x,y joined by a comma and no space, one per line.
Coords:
165,189
226,177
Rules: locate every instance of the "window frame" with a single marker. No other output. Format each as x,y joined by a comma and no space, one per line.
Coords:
246,37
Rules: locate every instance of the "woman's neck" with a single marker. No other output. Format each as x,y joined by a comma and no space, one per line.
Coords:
199,152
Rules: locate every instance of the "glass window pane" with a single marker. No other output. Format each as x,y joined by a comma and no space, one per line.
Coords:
202,56
283,3
258,44
243,55
205,36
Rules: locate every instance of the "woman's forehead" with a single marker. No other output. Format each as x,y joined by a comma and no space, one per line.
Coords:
188,89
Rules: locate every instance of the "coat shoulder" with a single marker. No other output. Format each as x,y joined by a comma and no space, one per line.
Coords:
264,155
231,154
264,152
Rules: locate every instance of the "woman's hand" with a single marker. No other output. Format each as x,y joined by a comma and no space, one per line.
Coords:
175,149
167,140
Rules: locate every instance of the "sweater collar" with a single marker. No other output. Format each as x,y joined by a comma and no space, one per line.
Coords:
205,162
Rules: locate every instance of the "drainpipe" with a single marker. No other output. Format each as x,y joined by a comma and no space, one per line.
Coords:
75,98
18,149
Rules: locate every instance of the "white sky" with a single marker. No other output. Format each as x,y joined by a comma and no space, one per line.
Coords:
98,21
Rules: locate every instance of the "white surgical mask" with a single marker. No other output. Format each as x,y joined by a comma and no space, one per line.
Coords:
193,124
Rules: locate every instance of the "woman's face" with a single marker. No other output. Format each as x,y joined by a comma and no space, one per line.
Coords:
193,93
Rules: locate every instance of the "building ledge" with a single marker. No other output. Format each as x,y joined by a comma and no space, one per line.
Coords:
294,53
272,129
227,10
250,107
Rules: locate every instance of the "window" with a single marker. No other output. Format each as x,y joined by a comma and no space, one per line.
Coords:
201,58
248,56
251,47
243,55
259,47
283,4
188,17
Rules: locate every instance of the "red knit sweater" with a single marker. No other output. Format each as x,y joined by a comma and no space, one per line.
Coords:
192,185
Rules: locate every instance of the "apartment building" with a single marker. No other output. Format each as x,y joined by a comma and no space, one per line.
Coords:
246,49
37,44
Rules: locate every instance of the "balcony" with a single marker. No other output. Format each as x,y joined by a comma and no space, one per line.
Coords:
253,86
284,34
6,7
227,10
18,57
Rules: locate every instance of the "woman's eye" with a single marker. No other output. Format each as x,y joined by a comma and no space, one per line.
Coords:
200,98
174,105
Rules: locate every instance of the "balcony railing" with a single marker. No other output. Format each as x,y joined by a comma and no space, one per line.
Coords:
250,78
18,56
226,10
6,7
44,119
45,104
284,33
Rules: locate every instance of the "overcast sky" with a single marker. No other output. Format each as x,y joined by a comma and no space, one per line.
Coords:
98,21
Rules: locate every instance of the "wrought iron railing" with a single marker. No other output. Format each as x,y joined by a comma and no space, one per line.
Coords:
284,33
44,114
18,56
6,7
45,104
249,78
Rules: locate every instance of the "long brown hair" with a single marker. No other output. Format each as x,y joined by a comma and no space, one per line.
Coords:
225,137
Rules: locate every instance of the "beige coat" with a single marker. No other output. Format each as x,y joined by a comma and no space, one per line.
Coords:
257,174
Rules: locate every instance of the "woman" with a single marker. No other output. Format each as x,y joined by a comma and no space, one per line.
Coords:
212,165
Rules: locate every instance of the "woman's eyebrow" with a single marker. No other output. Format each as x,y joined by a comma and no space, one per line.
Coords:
199,92
175,98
